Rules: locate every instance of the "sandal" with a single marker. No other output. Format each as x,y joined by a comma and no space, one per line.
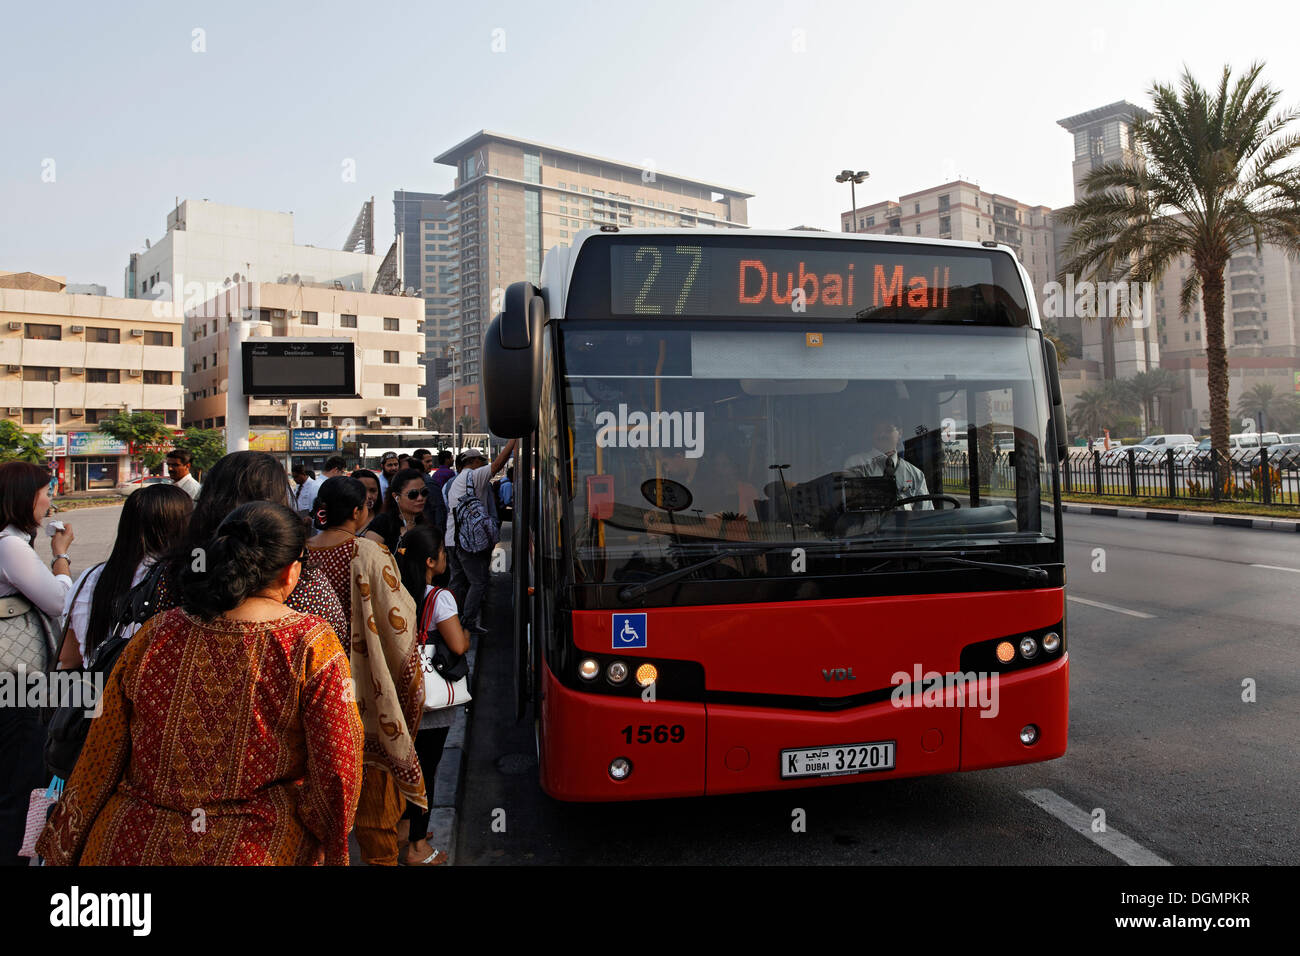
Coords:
436,858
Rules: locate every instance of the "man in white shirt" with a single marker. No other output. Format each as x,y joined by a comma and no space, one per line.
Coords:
469,571
178,468
883,459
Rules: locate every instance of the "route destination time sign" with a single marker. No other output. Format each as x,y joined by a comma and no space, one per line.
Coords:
300,368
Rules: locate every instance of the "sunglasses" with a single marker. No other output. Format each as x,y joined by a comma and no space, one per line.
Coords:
415,495
304,557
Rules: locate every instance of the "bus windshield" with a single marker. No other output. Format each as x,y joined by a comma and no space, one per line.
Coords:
689,439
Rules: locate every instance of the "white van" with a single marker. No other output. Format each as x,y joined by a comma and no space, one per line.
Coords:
1165,441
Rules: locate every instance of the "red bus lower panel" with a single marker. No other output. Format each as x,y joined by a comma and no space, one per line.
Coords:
690,749
1038,696
595,730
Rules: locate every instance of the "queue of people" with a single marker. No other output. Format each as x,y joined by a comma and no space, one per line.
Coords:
272,700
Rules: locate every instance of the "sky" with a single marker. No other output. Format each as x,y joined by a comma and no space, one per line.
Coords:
114,111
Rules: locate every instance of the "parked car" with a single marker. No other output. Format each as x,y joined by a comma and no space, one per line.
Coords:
1238,444
135,484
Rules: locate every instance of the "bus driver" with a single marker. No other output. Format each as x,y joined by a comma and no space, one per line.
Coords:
883,459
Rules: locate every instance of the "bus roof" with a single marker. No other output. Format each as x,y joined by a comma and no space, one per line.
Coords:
557,265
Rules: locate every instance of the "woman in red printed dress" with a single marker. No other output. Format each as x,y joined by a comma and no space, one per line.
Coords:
385,657
230,732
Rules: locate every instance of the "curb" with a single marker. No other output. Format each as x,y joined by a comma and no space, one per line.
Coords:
1187,517
451,769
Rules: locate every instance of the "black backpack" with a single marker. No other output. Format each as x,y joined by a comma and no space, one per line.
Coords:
70,725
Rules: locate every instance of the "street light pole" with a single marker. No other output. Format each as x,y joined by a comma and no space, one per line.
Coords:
451,358
852,178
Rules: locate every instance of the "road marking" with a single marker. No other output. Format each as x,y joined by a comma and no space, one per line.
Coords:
1080,821
1274,567
1109,607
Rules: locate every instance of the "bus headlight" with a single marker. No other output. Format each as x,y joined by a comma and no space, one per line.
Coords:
1051,642
1028,734
1006,652
1028,648
616,672
647,674
620,768
588,669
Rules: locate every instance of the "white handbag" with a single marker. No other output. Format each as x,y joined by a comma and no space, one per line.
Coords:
440,693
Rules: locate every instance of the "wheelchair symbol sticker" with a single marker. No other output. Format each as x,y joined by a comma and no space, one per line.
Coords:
629,631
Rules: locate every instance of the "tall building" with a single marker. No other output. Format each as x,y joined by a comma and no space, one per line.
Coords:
208,246
514,198
387,328
961,210
424,229
71,361
1261,318
1105,135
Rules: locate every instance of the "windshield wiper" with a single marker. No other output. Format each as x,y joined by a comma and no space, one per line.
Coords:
932,557
632,591
1014,570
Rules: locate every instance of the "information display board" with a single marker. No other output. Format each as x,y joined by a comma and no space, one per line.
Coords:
300,368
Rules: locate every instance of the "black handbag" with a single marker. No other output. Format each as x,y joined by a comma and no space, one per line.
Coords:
70,725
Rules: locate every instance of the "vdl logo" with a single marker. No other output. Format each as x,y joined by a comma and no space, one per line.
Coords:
630,630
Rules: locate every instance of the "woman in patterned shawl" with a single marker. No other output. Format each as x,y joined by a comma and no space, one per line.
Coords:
384,648
229,733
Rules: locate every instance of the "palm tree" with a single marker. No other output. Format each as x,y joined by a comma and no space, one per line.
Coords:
1280,410
1213,177
1147,387
1091,411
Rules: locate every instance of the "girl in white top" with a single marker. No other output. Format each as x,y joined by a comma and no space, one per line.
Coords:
154,520
422,558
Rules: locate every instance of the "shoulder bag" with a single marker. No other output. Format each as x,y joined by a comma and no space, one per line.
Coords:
446,675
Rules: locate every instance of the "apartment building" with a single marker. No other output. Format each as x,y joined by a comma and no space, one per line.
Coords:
209,245
388,329
514,198
423,225
961,210
1261,316
69,362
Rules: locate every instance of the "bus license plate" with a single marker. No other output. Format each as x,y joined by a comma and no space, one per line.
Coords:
838,760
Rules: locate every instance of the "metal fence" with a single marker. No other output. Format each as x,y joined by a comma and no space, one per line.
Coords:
1254,475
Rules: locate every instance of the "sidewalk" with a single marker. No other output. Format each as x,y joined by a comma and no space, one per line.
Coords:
1189,517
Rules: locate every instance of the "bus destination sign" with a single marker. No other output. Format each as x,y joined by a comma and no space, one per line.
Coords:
684,278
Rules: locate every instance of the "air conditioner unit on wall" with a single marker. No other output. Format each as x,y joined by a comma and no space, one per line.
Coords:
74,329
14,368
14,411
381,410
15,326
138,333
309,423
324,407
77,371
135,373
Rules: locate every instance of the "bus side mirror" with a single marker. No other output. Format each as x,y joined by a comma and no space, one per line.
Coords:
512,362
1054,390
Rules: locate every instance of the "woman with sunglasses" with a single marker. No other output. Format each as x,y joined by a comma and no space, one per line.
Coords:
229,733
403,508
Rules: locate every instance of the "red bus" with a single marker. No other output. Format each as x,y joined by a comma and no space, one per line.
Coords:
768,530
